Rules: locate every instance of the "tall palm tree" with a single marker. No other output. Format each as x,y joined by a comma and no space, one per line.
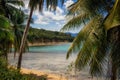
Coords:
98,40
6,36
16,17
34,4
112,25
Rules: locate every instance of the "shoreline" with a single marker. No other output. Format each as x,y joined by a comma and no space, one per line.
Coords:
50,76
46,43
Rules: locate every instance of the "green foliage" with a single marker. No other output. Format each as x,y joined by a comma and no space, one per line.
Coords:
41,35
113,18
12,18
7,7
4,22
6,36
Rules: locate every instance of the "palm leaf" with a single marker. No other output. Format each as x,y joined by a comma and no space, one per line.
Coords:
50,4
76,22
113,19
91,44
87,6
93,51
5,29
83,35
4,23
15,2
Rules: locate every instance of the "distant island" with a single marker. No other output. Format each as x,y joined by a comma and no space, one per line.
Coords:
41,36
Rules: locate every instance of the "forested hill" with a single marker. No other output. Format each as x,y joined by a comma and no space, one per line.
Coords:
42,36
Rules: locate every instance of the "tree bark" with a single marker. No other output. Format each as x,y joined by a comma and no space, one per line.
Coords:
114,72
24,39
114,43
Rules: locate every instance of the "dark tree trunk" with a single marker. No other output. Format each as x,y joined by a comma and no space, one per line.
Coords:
114,73
114,43
24,39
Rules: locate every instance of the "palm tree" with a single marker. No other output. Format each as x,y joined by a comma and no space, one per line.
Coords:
112,25
33,4
6,37
16,17
98,40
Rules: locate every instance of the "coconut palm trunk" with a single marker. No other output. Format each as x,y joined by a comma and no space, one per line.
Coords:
34,4
24,39
114,73
114,40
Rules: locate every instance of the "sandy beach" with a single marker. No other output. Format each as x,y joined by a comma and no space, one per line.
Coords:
47,43
51,76
39,73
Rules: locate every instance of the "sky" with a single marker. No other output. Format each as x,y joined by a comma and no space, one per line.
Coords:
50,20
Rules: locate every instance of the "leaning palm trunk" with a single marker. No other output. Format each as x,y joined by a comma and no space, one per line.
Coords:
114,40
24,39
33,4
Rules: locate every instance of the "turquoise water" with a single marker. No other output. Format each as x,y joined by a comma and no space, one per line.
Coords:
58,48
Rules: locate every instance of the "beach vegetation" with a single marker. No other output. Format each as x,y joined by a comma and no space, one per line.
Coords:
10,73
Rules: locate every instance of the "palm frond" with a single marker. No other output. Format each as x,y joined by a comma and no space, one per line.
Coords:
15,2
4,22
17,38
76,22
113,19
2,11
82,11
88,7
83,35
93,51
91,43
5,29
98,63
16,15
50,4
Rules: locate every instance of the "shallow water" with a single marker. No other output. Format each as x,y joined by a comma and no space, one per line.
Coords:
57,48
51,58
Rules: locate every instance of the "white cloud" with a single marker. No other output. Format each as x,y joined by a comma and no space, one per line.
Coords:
59,11
68,3
48,19
57,23
47,16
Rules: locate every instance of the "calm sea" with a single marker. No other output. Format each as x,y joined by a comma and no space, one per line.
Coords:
57,48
